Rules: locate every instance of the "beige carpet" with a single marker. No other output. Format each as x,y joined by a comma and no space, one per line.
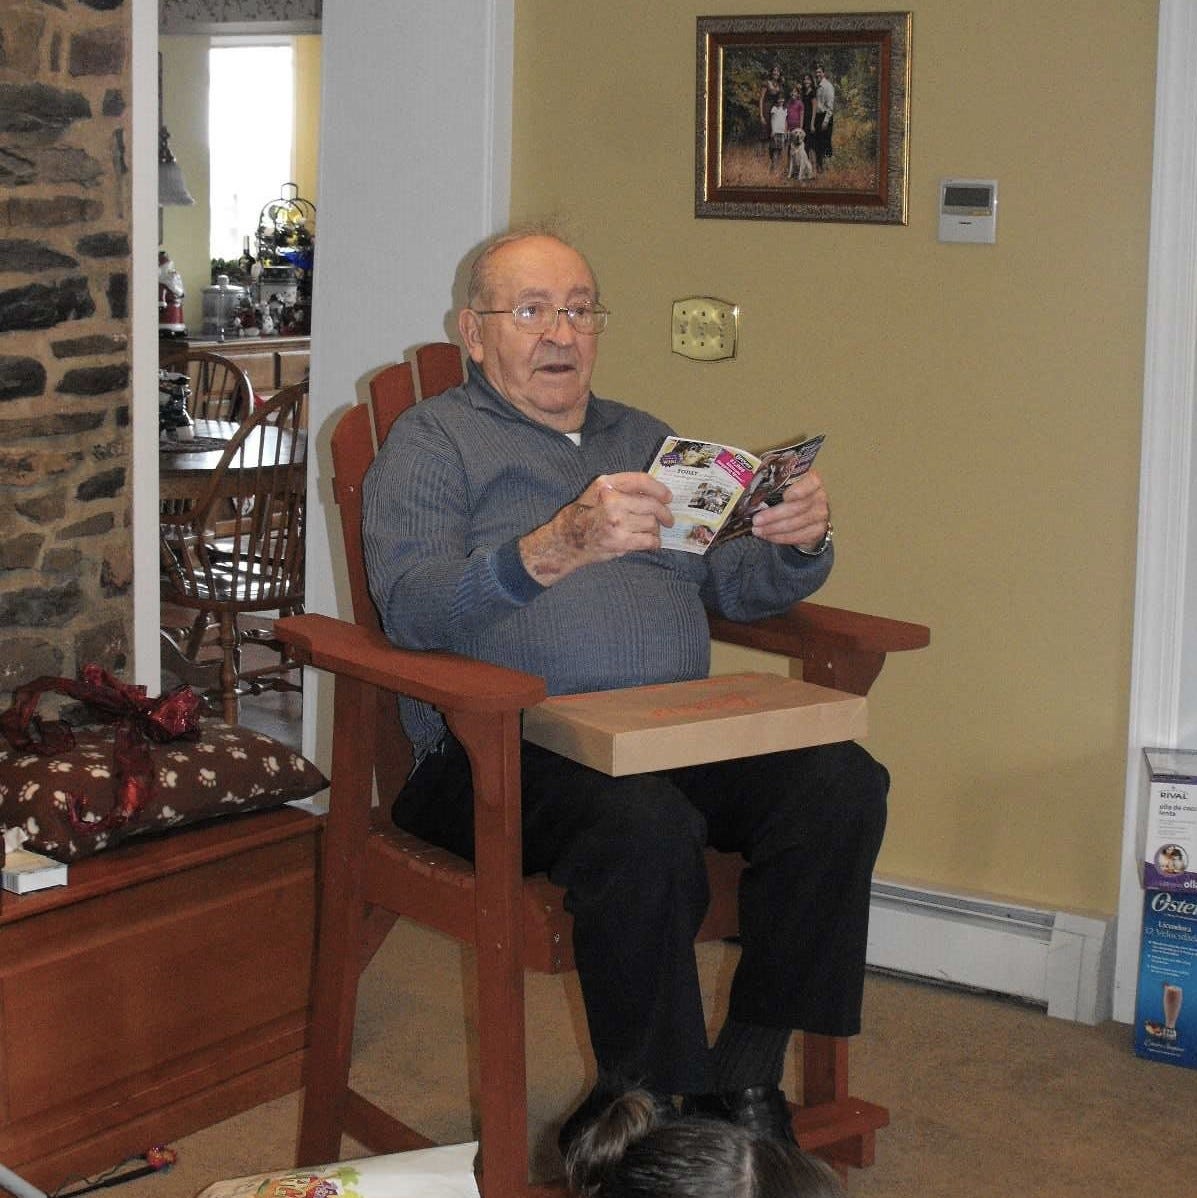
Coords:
987,1097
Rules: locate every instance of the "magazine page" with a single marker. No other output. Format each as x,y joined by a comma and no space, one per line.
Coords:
778,468
706,480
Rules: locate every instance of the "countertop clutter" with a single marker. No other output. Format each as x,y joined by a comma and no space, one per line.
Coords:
265,291
272,291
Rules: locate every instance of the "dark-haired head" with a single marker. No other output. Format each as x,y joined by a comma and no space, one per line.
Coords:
631,1152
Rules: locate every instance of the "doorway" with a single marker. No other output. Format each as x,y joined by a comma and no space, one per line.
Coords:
145,41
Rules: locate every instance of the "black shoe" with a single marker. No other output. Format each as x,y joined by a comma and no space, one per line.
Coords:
762,1110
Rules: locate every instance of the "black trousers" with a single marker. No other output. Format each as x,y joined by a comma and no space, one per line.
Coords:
629,854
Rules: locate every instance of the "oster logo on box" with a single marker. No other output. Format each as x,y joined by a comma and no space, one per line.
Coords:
1166,1009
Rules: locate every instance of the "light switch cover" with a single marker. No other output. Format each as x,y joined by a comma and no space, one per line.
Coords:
705,329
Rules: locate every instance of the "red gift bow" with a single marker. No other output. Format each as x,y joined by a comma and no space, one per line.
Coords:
173,716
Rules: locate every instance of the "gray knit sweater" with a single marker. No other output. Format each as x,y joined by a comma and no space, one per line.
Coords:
463,475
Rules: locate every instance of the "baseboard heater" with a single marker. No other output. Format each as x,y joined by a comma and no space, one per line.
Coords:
1061,960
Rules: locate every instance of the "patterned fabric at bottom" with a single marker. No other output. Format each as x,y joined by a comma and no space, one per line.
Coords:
443,1172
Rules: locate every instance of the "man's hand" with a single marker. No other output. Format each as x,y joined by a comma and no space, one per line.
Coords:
616,514
800,519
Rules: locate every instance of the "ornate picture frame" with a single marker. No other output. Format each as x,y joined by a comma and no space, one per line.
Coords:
803,117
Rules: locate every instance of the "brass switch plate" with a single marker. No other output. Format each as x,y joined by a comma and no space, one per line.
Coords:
705,329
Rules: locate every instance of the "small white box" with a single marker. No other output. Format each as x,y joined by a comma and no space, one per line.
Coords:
26,871
1168,838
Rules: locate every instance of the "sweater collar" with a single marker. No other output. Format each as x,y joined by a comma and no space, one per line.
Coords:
483,396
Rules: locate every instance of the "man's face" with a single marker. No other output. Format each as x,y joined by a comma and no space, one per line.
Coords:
547,377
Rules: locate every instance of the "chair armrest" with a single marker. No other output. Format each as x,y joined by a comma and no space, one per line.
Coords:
446,680
790,631
838,648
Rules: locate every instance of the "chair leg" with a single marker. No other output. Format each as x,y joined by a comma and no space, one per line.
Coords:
502,1070
195,639
824,1069
493,747
229,649
342,911
825,1081
326,1069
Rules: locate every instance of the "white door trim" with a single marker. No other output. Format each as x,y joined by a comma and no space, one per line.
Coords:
1160,711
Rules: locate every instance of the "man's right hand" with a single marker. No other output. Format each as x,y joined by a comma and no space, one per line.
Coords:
616,514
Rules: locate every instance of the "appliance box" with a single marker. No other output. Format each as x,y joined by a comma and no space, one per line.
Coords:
644,728
1166,1005
1168,835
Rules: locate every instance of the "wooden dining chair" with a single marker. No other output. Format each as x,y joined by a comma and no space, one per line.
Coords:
219,388
374,873
239,547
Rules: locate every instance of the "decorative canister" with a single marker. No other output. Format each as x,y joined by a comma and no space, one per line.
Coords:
221,301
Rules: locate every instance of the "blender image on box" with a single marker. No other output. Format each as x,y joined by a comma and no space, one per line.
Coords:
1165,1021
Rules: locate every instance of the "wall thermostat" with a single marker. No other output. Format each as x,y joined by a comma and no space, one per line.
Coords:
968,210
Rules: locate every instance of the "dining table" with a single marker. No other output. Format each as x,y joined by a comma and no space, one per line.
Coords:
185,466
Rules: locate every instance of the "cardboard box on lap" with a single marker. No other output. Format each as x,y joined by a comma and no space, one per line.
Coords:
646,728
1168,838
1166,1005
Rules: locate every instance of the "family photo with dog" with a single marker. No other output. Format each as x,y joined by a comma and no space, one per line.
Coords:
801,116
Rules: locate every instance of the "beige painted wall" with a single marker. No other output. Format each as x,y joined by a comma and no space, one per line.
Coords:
981,403
307,115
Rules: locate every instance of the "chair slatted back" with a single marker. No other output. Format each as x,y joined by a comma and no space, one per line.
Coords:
220,389
392,392
352,449
352,445
439,367
241,545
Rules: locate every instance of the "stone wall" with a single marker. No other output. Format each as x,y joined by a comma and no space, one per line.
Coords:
66,559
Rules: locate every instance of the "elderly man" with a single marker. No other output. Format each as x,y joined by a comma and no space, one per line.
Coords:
510,519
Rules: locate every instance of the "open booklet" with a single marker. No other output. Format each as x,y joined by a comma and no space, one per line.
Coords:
717,489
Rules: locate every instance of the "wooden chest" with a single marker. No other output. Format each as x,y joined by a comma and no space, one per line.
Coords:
164,989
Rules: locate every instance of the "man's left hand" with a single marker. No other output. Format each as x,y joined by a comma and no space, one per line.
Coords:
800,519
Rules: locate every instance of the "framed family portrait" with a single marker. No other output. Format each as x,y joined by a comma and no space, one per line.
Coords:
803,117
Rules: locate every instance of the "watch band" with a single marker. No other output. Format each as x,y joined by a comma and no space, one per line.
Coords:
821,547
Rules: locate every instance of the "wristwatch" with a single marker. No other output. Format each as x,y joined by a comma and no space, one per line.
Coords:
821,547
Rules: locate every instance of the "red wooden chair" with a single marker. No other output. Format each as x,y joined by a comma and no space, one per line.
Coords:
374,873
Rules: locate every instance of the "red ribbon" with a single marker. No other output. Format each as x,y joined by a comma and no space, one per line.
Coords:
173,716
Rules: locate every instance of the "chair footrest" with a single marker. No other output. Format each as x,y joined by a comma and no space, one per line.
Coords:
831,1123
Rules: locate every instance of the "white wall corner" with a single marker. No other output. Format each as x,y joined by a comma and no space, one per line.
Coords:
1080,968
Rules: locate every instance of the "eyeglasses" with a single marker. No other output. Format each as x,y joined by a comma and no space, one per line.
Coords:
539,317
